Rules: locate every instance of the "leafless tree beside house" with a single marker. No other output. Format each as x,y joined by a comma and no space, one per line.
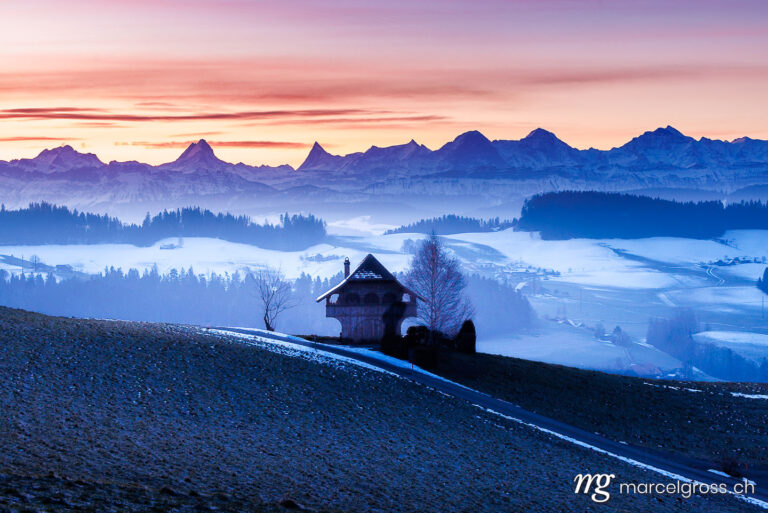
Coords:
436,276
275,294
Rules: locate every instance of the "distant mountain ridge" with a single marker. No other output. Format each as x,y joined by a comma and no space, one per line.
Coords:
476,170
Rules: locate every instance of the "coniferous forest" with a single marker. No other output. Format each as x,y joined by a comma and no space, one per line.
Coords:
451,224
602,215
182,296
44,223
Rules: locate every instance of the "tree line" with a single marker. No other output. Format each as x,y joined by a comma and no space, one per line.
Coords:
186,297
603,215
452,224
45,223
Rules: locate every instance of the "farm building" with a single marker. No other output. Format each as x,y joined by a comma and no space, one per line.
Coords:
369,302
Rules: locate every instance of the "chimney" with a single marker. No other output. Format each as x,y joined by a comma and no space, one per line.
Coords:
346,267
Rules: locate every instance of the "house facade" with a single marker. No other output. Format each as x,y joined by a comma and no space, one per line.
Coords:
369,302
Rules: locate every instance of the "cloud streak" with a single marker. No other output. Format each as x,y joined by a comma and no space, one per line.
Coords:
79,114
26,138
221,144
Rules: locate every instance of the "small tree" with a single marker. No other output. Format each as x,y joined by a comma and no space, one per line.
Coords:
762,283
436,276
275,294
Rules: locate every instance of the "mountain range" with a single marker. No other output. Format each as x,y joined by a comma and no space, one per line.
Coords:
472,170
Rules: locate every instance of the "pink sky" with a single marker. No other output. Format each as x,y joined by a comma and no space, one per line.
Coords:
263,80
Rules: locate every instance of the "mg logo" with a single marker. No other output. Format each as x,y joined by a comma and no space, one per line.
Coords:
585,482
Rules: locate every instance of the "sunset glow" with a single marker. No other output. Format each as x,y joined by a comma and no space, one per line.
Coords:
139,80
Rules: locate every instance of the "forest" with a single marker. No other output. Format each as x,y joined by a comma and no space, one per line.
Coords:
451,224
182,296
44,223
602,215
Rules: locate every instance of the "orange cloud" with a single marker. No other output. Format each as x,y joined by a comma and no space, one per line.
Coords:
102,115
24,138
223,144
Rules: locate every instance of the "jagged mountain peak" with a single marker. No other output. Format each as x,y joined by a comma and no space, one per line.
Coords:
197,150
318,158
198,154
318,149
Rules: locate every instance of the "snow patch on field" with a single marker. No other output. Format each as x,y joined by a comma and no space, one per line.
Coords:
749,396
670,387
396,362
291,349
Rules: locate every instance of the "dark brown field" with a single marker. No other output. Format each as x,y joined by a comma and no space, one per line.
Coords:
712,426
116,416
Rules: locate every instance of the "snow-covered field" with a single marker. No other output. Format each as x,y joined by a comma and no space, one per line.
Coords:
204,255
745,343
582,281
566,345
736,337
587,262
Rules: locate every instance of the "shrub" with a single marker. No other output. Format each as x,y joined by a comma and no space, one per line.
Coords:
466,339
424,356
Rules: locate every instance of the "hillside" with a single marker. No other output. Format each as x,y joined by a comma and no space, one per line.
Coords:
131,416
711,424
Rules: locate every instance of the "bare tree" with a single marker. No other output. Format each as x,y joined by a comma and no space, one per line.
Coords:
436,276
275,294
35,261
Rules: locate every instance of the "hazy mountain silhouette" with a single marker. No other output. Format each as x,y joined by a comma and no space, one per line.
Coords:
471,168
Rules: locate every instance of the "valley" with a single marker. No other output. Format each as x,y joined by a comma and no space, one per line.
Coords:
575,286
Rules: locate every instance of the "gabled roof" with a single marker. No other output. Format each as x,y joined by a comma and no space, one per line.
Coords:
369,270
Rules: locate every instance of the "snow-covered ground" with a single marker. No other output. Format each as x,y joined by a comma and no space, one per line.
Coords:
205,255
745,343
586,262
587,282
736,337
567,345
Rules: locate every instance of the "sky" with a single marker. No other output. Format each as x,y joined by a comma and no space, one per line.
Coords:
263,80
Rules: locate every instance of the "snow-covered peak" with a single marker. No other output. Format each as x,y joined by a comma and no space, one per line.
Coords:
65,158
